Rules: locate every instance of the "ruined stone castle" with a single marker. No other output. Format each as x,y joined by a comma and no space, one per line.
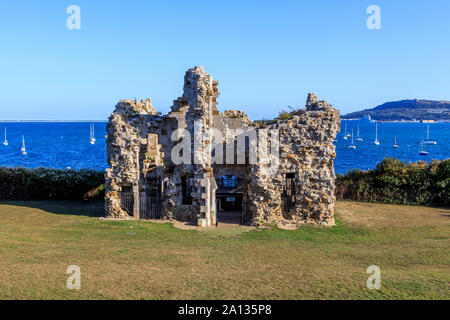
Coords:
196,163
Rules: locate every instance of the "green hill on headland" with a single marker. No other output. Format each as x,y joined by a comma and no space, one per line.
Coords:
406,110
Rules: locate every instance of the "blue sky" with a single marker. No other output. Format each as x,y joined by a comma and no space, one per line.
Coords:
266,54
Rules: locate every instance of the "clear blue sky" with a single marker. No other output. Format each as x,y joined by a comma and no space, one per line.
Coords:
266,54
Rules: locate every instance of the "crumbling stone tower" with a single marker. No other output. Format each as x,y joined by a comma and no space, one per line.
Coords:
200,94
178,166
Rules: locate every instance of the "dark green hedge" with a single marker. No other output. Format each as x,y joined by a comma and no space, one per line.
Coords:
392,181
50,184
398,182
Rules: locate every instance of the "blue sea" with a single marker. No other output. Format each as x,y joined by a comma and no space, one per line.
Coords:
66,144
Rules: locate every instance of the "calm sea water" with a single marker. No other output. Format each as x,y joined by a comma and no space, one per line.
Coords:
62,145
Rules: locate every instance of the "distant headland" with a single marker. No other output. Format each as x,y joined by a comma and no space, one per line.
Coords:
406,110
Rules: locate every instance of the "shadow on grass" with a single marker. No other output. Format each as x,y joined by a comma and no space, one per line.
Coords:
79,208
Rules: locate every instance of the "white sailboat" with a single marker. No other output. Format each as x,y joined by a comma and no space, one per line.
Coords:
376,142
92,134
428,141
395,143
352,146
23,149
358,138
421,151
345,133
6,140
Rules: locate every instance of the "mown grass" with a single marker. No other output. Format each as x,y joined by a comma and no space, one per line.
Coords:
143,260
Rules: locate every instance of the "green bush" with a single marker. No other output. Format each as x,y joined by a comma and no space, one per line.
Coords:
49,184
398,182
441,188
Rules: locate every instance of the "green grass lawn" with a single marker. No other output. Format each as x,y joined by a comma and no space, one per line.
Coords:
143,260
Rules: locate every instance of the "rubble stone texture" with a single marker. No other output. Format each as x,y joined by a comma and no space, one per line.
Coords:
142,173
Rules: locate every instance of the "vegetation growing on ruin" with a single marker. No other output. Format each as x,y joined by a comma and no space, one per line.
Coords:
284,115
398,182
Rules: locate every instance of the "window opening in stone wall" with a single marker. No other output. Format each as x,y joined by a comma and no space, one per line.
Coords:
186,190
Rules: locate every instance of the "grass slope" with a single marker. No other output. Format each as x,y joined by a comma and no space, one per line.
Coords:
143,260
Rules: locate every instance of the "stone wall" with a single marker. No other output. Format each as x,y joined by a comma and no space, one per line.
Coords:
141,143
127,129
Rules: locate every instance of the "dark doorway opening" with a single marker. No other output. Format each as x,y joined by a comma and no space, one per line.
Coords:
289,193
229,200
127,199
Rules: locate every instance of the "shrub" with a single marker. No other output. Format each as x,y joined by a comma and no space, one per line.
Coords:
50,184
441,180
284,115
398,182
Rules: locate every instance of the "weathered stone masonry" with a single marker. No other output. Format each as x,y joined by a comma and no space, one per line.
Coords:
143,181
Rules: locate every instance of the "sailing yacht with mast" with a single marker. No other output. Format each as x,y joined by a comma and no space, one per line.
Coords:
376,142
92,134
428,141
352,146
395,142
5,143
358,138
421,151
23,149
